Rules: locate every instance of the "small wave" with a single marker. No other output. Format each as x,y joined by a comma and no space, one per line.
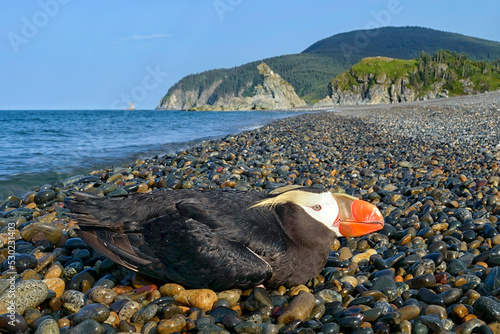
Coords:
252,127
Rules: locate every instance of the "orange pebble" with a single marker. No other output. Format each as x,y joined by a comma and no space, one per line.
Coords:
143,187
31,206
63,322
482,264
469,317
460,281
408,277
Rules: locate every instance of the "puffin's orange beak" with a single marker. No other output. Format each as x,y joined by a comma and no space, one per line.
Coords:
357,217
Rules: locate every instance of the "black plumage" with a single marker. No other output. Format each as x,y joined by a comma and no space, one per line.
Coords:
206,239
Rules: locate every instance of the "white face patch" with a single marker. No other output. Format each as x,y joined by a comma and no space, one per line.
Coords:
323,208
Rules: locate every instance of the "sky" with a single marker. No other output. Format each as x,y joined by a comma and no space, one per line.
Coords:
103,54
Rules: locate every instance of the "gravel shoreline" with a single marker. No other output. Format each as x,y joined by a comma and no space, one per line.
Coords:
431,167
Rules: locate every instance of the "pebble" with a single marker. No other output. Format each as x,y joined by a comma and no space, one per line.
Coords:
23,262
48,326
53,272
232,296
73,297
299,309
409,312
26,294
175,324
87,326
55,284
100,294
128,310
487,308
201,298
52,233
363,256
13,323
436,309
145,314
98,312
171,289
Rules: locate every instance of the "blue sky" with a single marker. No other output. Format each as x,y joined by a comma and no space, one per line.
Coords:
102,54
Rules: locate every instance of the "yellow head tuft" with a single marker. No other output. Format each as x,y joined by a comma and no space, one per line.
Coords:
298,197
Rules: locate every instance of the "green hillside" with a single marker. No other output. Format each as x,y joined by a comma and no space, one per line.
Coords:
310,72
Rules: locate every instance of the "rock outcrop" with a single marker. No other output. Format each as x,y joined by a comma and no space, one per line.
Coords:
185,99
273,94
375,87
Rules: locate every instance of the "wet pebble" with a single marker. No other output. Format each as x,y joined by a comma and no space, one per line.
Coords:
145,314
175,324
48,326
87,326
202,298
73,297
299,308
26,294
97,312
487,308
102,295
13,323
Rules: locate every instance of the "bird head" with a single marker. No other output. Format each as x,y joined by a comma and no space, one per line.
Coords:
346,215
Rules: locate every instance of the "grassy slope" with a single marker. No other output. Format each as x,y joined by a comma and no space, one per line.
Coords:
425,72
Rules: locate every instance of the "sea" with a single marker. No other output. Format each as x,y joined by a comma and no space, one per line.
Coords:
40,146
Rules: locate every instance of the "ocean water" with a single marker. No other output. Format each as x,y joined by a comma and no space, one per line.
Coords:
39,146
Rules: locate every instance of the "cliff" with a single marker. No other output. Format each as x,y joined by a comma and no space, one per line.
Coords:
272,93
369,83
377,80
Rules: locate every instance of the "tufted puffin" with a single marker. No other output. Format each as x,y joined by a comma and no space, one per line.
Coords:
223,239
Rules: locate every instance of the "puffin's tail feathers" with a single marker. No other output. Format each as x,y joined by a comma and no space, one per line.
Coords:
83,206
95,212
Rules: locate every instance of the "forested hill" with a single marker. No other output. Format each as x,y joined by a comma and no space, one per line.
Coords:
403,43
311,71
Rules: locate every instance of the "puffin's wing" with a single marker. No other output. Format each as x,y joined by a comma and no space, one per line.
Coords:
257,228
197,256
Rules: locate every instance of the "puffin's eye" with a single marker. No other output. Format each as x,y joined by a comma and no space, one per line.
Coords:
316,207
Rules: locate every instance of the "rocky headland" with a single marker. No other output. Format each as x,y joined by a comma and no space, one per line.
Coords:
273,94
431,167
379,80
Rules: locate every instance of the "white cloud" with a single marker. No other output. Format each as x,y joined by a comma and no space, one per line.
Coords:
150,36
141,37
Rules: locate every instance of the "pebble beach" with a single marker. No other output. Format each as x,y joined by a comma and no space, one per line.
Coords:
431,167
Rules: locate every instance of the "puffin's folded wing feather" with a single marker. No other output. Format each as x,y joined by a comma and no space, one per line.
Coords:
124,249
197,256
